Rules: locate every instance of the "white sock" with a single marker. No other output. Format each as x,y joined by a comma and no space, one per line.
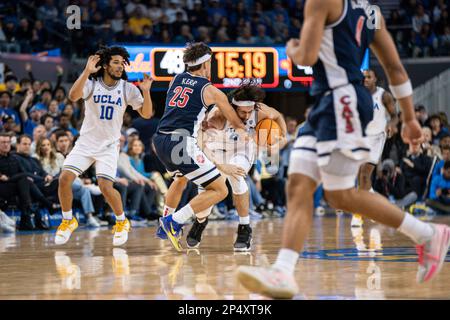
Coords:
244,220
121,217
183,215
168,210
286,260
417,230
67,215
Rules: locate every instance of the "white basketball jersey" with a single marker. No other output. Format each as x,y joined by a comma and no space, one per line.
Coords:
380,116
227,138
104,109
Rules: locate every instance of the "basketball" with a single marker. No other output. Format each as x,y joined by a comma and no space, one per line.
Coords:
268,132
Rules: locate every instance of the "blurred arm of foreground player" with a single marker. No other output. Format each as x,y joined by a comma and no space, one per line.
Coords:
76,92
305,51
384,48
212,95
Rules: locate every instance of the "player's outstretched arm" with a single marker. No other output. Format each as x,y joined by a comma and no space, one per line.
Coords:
384,48
146,111
212,95
305,51
76,92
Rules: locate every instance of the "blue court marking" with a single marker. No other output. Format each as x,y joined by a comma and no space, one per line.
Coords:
395,254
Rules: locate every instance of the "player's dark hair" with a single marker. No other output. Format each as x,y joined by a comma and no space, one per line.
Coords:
248,91
23,136
106,54
193,51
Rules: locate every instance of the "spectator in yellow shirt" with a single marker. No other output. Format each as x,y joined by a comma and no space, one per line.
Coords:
138,21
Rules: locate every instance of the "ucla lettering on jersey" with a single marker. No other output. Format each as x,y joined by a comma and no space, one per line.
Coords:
185,109
344,44
380,116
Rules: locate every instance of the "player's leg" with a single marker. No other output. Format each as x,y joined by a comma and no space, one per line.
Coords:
106,169
185,156
278,280
173,198
194,236
75,164
376,143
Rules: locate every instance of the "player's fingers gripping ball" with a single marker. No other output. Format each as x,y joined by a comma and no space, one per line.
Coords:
268,132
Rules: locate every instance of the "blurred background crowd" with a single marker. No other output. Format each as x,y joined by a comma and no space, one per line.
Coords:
39,125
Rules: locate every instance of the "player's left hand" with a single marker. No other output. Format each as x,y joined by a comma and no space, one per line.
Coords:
412,132
231,170
146,83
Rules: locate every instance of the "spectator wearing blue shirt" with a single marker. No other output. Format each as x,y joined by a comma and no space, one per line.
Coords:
6,109
440,190
64,123
437,128
445,151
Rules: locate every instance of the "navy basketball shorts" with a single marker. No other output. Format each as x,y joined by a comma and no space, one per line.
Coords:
331,145
182,156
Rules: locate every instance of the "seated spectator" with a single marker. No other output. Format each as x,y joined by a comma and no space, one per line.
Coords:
437,128
261,37
127,171
425,43
7,109
246,36
137,22
147,35
65,124
185,35
391,183
38,133
419,19
62,142
415,167
48,122
429,149
15,183
44,186
421,114
444,42
440,190
51,161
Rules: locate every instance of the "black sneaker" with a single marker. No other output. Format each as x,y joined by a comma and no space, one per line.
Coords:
195,234
244,238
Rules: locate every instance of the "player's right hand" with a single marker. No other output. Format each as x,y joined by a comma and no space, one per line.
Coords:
91,64
412,132
231,170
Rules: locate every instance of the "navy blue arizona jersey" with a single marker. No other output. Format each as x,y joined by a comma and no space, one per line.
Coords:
185,108
344,44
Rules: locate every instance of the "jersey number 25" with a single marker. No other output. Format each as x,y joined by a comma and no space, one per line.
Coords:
180,97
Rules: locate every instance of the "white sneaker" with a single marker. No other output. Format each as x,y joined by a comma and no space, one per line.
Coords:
92,222
319,211
7,220
268,281
120,231
357,221
65,230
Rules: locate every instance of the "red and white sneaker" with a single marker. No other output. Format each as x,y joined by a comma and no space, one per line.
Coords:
433,252
267,281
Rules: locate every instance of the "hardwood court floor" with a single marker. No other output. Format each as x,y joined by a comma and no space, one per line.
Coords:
338,263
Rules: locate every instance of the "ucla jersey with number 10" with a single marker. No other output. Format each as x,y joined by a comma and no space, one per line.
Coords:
104,107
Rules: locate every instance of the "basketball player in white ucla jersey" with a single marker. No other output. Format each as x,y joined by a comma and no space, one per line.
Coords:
218,139
332,145
377,131
106,94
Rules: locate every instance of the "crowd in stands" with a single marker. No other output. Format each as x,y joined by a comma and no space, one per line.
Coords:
420,27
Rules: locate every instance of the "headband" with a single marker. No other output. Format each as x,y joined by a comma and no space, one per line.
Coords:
200,60
243,103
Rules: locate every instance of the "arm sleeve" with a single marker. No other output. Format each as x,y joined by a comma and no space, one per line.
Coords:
134,97
87,89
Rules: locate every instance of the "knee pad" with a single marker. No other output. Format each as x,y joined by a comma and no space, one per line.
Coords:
238,185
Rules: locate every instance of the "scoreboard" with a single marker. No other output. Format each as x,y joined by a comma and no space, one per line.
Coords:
229,66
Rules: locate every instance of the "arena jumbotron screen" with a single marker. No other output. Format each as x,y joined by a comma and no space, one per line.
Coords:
230,65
